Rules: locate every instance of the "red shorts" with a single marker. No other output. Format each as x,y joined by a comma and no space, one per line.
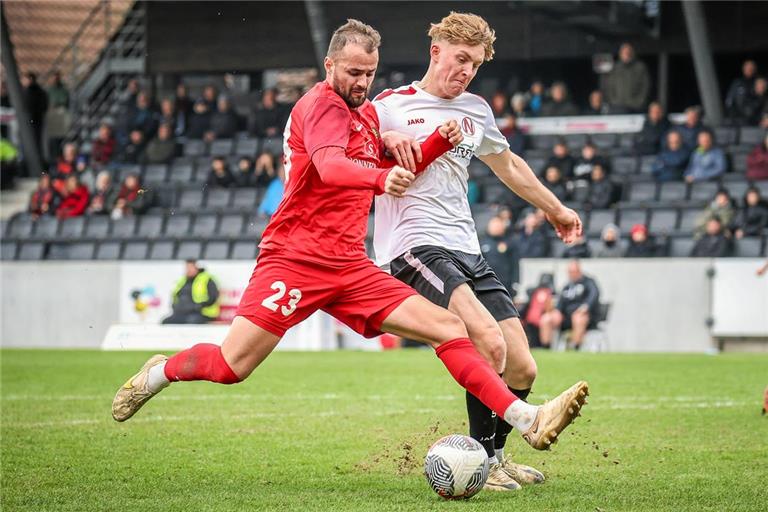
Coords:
282,292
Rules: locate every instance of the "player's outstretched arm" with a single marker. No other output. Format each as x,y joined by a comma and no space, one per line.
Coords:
443,139
518,176
337,170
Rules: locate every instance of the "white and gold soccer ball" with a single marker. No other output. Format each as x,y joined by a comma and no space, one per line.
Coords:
456,467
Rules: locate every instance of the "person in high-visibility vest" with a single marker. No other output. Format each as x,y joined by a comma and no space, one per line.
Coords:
195,297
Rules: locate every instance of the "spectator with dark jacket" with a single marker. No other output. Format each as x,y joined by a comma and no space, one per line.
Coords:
707,162
739,92
104,195
163,148
752,219
576,310
553,180
144,117
691,128
74,198
169,116
628,84
582,170
611,247
640,244
595,105
672,162
199,121
602,191
224,121
220,176
757,161
756,105
651,138
269,117
44,198
515,136
133,151
131,199
578,250
532,241
559,104
36,101
714,244
501,253
103,146
561,159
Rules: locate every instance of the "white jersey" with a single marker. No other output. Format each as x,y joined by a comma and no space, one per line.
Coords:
435,210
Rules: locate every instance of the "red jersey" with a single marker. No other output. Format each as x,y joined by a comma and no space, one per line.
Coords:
315,221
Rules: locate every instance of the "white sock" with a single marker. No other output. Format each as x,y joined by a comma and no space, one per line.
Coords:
521,415
499,454
493,460
156,380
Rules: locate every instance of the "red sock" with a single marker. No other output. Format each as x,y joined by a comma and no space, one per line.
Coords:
204,361
474,373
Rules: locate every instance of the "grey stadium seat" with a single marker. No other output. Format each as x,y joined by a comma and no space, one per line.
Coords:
178,225
8,250
162,250
543,141
704,191
751,247
124,228
576,140
630,216
646,163
751,136
46,227
688,219
205,225
247,147
155,173
191,199
536,165
231,225
245,198
739,162
71,251
605,140
108,251
97,226
598,219
662,221
150,226
135,250
673,191
642,192
737,189
725,136
244,250
221,147
189,250
272,145
681,247
194,148
72,227
182,173
31,251
164,197
21,226
218,198
216,250
624,165
255,226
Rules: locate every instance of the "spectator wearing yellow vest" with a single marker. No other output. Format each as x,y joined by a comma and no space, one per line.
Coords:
195,297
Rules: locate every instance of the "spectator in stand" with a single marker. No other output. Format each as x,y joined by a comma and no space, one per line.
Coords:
501,254
707,162
133,151
265,165
9,164
144,117
515,137
273,195
536,98
210,94
169,116
752,219
671,163
650,139
519,105
721,208
578,250
66,164
582,170
182,105
714,244
36,101
44,199
244,175
199,121
596,106
220,175
224,121
756,105
163,148
103,146
576,308
628,84
611,247
131,199
74,198
127,111
640,244
195,297
57,119
269,118
532,241
553,180
691,128
561,159
498,105
104,195
559,104
757,162
602,192
739,92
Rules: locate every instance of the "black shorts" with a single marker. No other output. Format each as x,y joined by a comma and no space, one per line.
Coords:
435,272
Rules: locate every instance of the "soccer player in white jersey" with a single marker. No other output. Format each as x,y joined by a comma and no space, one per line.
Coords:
428,239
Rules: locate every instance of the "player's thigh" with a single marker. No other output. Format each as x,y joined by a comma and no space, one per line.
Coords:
482,328
418,319
246,346
520,364
431,271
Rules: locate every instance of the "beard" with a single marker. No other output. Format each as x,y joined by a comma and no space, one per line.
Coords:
346,95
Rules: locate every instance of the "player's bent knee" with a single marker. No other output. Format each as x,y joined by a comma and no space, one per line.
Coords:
491,343
450,328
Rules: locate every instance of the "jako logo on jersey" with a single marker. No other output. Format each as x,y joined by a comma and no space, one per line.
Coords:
467,126
419,120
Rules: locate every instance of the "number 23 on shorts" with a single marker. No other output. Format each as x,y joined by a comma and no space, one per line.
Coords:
271,302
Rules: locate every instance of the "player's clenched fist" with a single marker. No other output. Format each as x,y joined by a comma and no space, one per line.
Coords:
451,131
398,180
567,224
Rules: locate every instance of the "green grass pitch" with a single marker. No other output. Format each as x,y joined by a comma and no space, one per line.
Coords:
349,430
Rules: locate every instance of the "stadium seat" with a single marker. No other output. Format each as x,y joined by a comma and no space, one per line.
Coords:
216,250
255,227
579,194
246,199
642,192
494,192
751,247
751,136
247,147
8,250
31,251
97,226
273,145
688,219
164,196
182,173
763,187
162,250
191,199
244,250
627,140
123,170
662,221
481,218
536,165
74,251
177,225
21,226
231,225
737,189
598,219
628,217
194,147
557,249
218,198
204,226
605,140
108,251
478,169
576,141
646,163
725,136
704,191
46,227
738,162
545,142
72,227
681,247
189,250
150,226
221,147
624,165
155,173
673,192
124,228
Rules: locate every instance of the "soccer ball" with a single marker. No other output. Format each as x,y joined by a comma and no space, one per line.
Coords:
456,467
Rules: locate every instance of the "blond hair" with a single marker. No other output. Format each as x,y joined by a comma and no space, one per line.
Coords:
354,32
464,28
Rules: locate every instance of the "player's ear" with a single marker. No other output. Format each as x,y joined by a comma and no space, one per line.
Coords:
328,65
434,51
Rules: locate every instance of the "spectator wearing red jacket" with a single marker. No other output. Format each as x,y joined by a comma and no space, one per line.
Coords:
75,198
103,146
43,200
757,161
132,199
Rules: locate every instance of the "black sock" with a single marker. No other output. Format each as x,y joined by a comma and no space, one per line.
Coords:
502,427
482,423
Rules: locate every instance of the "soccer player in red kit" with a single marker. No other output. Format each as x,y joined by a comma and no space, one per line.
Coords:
313,255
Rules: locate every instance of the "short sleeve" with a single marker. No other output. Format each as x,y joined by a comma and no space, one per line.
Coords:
382,112
493,141
325,125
